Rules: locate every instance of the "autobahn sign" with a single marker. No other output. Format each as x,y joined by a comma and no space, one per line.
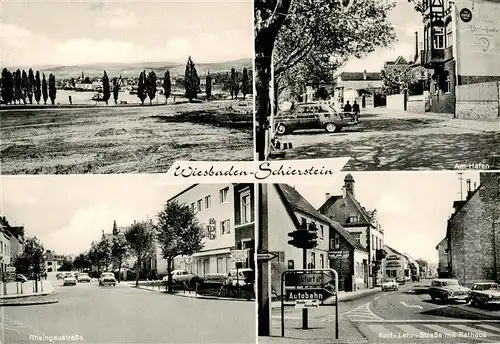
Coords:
308,294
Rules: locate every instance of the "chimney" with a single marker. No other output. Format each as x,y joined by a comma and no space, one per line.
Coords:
469,191
416,47
364,75
327,196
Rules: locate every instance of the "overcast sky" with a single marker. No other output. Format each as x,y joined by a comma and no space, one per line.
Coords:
413,207
406,21
67,213
64,32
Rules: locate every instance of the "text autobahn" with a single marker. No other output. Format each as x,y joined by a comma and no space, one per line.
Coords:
263,171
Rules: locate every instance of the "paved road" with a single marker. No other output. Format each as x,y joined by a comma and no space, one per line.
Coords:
126,315
401,141
395,317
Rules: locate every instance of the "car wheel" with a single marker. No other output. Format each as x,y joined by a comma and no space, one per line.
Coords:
281,129
331,128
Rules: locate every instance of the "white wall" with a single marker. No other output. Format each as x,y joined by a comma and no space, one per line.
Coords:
395,102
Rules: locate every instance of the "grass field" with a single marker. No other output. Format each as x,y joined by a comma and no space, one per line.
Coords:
145,139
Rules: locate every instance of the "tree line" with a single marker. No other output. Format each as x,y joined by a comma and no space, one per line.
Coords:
17,87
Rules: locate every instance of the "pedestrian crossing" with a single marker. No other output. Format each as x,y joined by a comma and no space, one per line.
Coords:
437,331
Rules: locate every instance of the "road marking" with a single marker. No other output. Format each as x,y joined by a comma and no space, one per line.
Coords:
436,321
472,330
409,329
376,298
386,294
489,327
411,306
441,329
363,313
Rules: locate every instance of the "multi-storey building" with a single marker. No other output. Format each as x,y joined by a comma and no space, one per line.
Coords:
363,225
227,213
461,47
395,265
473,233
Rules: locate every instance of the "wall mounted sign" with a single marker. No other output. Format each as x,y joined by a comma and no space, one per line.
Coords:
466,15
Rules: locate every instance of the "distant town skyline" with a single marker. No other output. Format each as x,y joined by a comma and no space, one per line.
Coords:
67,213
412,207
406,22
60,33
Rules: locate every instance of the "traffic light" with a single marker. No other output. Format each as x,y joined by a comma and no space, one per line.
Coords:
299,238
312,236
305,238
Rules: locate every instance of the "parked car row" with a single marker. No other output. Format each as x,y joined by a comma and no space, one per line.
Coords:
481,294
241,277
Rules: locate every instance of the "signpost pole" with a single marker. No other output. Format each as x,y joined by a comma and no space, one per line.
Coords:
337,305
237,280
282,305
304,310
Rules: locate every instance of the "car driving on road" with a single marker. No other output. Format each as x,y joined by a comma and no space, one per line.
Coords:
484,293
390,284
107,278
312,116
241,277
448,289
69,280
83,277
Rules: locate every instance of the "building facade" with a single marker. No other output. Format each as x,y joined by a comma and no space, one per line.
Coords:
227,213
363,225
361,87
395,265
473,233
443,268
461,47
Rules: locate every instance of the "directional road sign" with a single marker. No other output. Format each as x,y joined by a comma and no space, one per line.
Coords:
308,294
306,304
265,256
10,269
239,256
305,279
339,254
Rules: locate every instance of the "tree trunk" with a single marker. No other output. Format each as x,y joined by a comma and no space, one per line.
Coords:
119,269
137,270
169,274
262,80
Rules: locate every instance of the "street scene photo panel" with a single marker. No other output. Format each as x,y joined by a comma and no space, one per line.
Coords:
393,85
381,258
124,86
118,259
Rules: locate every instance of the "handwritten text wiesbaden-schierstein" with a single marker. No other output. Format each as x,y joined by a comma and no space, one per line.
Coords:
263,171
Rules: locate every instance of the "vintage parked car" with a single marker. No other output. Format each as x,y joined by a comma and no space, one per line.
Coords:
390,284
69,280
401,280
107,278
312,116
83,277
21,278
484,293
179,277
448,289
240,277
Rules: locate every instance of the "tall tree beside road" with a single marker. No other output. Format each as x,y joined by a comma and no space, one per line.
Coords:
245,85
141,87
52,88
119,250
18,92
33,254
66,265
31,85
81,262
208,86
7,86
167,85
116,90
24,86
104,253
140,237
294,30
151,86
38,87
179,233
233,82
106,93
44,90
191,80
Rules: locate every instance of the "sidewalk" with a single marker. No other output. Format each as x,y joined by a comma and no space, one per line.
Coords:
16,290
447,119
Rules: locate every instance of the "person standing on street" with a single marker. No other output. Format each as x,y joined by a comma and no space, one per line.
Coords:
355,109
347,107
